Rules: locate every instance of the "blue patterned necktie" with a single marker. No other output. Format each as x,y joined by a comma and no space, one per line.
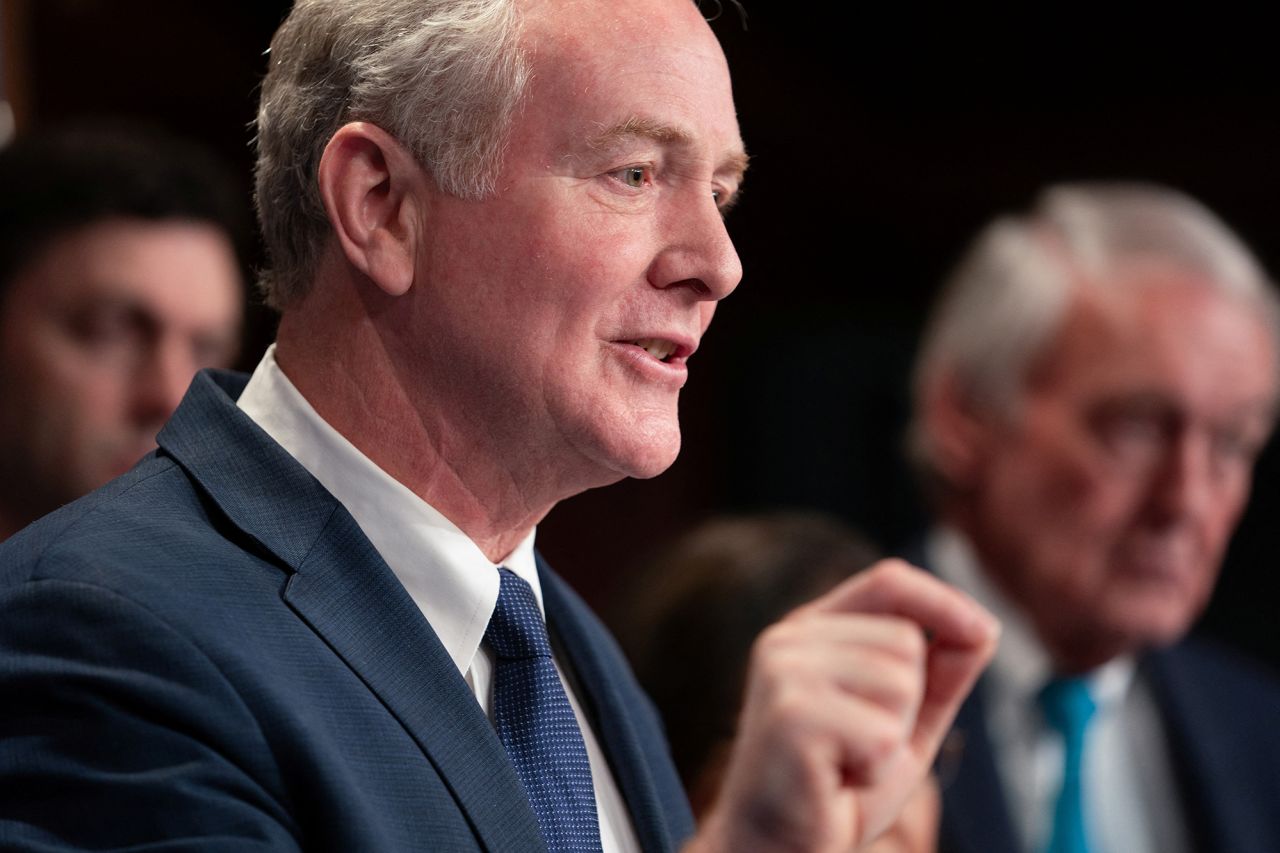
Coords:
536,723
1068,707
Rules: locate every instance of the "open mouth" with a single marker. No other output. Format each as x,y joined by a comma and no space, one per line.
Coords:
663,351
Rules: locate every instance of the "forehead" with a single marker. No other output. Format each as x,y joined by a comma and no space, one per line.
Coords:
1157,331
172,268
598,65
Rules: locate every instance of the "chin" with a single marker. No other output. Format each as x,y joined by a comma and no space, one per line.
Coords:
644,455
651,469
1156,628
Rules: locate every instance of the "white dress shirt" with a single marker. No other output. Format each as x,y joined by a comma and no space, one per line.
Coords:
445,573
1131,796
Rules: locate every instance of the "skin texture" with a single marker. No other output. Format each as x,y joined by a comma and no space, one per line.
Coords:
1104,508
100,334
484,354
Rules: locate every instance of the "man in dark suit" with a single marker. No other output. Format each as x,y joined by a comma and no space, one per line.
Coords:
1091,395
315,617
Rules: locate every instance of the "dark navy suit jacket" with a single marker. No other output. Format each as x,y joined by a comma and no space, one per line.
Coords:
1222,719
208,654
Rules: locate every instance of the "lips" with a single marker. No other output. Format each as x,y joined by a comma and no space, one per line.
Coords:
656,347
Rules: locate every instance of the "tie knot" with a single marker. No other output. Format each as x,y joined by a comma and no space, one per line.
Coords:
1067,705
516,629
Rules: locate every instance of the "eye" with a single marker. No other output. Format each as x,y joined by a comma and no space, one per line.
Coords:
725,199
1134,433
636,177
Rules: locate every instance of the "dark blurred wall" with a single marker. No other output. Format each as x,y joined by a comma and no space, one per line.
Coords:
881,141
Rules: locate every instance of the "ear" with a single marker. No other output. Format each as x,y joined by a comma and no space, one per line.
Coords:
960,430
371,188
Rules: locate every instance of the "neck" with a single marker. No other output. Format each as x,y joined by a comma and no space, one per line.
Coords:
347,366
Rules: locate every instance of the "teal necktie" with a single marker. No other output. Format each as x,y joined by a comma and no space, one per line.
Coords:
1068,707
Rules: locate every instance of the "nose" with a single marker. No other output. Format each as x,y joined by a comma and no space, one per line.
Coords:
697,253
1184,484
160,381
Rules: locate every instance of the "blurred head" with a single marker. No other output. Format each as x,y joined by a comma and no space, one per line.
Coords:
119,279
1092,393
703,602
530,211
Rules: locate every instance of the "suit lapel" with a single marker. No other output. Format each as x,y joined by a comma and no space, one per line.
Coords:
343,590
975,817
1204,752
597,664
975,814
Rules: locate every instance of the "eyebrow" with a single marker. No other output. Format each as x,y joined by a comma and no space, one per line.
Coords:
639,127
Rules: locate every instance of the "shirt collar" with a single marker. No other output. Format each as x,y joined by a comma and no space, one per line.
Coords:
445,573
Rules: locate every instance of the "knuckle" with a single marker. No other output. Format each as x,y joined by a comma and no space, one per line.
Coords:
878,743
903,690
893,567
772,641
910,640
790,712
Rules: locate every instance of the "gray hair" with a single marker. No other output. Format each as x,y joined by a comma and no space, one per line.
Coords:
444,77
1010,294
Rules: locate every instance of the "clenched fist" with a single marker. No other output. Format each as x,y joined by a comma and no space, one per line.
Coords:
847,701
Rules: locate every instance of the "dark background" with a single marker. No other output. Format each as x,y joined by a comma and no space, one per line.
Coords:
881,141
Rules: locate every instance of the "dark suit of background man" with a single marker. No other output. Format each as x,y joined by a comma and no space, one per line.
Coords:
1091,396
496,238
118,281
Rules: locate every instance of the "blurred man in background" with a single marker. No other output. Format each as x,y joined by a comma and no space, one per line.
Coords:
1091,396
119,279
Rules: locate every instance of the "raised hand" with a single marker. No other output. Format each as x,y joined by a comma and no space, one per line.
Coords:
847,701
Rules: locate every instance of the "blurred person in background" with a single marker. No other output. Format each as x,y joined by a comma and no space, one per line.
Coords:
703,601
119,279
1091,395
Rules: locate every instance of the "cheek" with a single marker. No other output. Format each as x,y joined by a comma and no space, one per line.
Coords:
1223,512
1059,516
92,389
1075,488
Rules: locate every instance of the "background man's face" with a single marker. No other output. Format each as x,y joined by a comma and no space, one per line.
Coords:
100,334
565,306
1105,506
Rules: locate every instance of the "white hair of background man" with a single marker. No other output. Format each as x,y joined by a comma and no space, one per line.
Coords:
444,77
1010,294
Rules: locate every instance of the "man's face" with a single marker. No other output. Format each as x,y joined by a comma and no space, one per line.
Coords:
100,334
563,309
1105,505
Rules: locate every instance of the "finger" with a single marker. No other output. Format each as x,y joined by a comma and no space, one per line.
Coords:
891,635
855,739
828,673
882,658
951,674
895,587
915,830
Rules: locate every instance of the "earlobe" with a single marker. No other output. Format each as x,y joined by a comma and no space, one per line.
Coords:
368,183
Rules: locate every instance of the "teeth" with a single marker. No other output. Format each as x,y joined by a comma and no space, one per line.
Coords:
659,349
